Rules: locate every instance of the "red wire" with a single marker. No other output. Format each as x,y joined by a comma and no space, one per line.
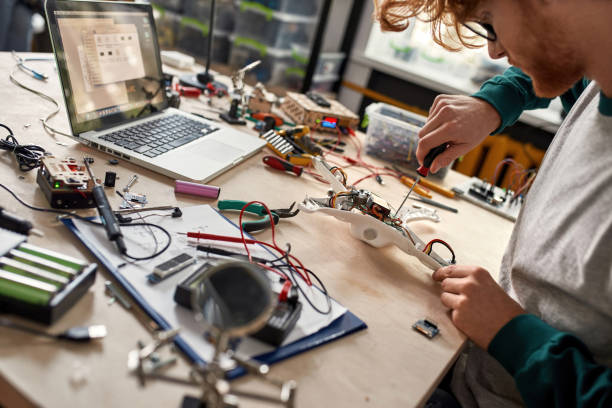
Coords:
373,175
214,237
274,245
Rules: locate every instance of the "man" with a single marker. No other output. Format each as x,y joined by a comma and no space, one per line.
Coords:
544,338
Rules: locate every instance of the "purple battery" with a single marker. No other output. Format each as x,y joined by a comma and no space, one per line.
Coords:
203,190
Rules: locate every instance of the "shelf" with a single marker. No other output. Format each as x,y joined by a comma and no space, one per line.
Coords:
546,119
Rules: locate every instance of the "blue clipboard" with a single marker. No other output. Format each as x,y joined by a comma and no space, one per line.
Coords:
344,325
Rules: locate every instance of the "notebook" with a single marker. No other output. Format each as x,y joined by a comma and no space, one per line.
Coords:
111,75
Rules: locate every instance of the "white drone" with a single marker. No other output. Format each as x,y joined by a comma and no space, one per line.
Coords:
368,216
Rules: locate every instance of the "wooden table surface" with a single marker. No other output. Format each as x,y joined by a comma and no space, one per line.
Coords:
387,365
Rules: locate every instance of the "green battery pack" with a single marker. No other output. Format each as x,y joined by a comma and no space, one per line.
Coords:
37,283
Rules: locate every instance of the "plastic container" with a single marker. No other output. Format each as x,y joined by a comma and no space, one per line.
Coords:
275,29
225,13
192,40
324,83
392,135
329,63
302,7
275,63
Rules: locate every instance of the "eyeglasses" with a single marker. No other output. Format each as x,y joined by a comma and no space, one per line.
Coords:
483,30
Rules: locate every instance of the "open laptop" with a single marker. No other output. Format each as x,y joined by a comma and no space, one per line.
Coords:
111,75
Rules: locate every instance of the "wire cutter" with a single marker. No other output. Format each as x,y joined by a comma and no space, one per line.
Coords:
258,209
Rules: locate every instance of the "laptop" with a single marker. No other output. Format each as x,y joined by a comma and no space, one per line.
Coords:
111,75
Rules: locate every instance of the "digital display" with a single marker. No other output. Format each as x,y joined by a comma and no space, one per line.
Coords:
329,122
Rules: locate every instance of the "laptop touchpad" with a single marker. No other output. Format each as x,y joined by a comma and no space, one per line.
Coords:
212,149
200,159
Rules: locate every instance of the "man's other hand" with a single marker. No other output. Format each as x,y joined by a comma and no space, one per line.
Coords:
461,121
479,306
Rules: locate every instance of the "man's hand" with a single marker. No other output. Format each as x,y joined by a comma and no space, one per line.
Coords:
479,306
461,121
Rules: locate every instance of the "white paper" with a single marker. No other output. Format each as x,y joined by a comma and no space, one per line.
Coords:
204,219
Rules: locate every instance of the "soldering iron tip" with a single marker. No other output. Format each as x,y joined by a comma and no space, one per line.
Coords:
36,232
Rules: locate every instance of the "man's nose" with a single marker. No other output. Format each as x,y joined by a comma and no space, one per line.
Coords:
496,51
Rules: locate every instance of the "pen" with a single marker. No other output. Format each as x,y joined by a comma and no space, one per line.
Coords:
214,237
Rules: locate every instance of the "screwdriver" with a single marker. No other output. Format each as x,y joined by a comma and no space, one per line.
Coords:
106,214
423,170
282,165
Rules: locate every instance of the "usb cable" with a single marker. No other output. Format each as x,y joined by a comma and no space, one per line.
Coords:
75,334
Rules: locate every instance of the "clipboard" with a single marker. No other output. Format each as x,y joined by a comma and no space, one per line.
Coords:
344,325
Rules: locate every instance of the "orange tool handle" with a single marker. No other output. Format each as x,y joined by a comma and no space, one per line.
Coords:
417,189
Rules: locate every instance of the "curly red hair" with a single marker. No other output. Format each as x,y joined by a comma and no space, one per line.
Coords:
395,15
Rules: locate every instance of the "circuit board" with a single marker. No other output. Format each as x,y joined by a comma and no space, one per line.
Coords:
495,199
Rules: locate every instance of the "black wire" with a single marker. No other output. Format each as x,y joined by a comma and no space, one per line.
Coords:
49,210
97,224
27,156
452,261
147,224
294,282
322,288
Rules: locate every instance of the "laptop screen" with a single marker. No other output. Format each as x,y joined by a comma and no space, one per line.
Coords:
108,60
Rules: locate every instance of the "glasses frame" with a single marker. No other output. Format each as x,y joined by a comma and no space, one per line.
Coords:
491,36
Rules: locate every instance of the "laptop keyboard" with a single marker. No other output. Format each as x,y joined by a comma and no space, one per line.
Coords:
160,135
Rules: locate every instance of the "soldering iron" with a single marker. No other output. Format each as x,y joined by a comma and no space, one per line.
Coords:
17,224
106,214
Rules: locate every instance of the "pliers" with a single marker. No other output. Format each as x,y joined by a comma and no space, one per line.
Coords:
258,209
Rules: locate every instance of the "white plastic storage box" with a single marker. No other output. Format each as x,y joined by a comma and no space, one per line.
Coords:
274,30
192,39
302,7
225,13
392,135
275,63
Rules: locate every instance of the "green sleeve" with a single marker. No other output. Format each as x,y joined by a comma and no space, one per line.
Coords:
551,368
512,93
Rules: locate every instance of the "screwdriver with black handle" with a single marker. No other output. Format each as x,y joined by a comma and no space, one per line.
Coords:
111,225
423,170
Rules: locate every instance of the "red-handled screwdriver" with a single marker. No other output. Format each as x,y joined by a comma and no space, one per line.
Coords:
283,165
423,170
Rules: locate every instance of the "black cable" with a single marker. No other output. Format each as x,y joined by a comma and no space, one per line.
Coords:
147,224
322,288
49,210
27,156
294,282
97,224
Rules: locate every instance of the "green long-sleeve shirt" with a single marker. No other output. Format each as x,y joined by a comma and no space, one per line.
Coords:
551,368
512,93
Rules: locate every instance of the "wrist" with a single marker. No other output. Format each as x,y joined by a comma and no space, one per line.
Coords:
492,118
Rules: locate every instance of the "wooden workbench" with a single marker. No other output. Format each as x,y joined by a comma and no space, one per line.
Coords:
387,365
